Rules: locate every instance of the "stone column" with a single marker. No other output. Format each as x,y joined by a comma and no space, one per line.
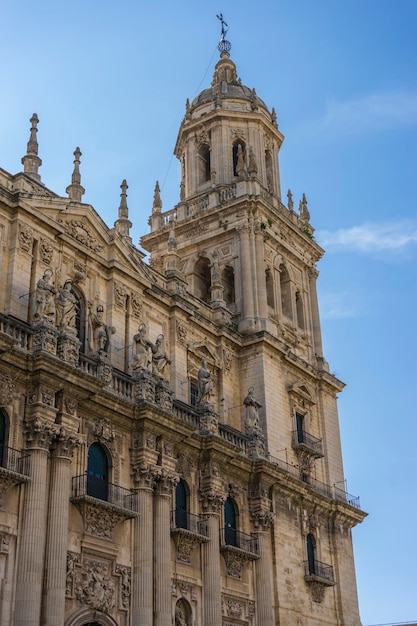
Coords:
212,605
260,273
315,315
263,569
246,278
142,559
39,434
57,537
162,549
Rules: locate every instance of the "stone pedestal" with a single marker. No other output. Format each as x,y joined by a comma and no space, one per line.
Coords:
45,337
68,348
209,419
164,394
144,387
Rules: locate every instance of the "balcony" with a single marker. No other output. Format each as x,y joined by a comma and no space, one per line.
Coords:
187,530
303,441
238,548
315,571
102,504
14,468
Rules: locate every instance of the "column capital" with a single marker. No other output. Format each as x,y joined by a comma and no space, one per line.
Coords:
64,444
144,476
262,520
165,482
39,433
211,500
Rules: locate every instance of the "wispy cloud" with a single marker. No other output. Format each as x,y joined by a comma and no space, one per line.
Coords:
371,112
370,238
340,305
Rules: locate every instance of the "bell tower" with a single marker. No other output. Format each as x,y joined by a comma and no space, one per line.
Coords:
240,249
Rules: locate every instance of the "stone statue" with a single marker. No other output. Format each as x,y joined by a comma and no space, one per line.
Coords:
240,165
66,308
45,292
159,356
100,332
142,345
252,411
204,382
180,619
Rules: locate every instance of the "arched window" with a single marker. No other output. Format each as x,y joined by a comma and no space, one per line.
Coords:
269,288
181,505
202,279
285,284
204,167
3,439
311,558
236,150
230,521
300,310
229,284
97,472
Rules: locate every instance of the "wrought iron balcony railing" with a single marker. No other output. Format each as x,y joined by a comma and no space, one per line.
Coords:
86,486
230,537
314,569
14,460
181,520
302,439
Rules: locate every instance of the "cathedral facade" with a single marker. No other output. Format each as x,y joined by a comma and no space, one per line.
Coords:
169,440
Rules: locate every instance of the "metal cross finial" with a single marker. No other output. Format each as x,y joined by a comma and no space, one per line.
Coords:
225,26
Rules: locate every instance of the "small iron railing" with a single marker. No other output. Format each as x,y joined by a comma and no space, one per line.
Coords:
181,519
14,460
312,567
93,487
344,496
300,438
237,539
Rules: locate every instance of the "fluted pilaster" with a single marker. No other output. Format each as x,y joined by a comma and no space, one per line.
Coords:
142,574
246,277
162,550
56,544
263,569
260,273
29,580
212,605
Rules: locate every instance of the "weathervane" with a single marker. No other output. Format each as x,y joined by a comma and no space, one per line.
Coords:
224,45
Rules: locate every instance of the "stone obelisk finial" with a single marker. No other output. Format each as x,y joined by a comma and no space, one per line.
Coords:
123,224
31,162
75,191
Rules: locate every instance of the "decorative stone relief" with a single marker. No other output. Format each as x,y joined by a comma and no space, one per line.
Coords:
202,138
185,542
4,543
184,464
79,230
100,518
317,591
211,500
46,250
120,293
94,586
227,360
7,388
64,444
262,520
103,431
194,231
125,575
25,237
70,406
39,433
180,587
238,133
80,267
234,564
181,332
45,338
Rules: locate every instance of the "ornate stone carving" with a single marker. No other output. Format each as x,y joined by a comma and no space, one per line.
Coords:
64,444
238,133
120,293
181,332
144,388
262,520
100,521
144,476
185,542
94,586
4,543
233,608
103,430
45,337
164,395
165,482
211,500
46,250
227,360
68,348
194,231
25,237
184,464
234,564
39,433
79,230
124,574
73,559
7,388
70,406
317,591
136,303
202,138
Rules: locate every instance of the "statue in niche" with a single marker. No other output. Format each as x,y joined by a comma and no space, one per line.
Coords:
252,412
45,292
66,308
100,332
204,382
141,360
240,165
180,617
159,356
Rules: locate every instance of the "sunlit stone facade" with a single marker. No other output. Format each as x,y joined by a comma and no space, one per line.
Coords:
170,449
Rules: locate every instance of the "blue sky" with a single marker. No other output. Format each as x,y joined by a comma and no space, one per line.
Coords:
342,75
